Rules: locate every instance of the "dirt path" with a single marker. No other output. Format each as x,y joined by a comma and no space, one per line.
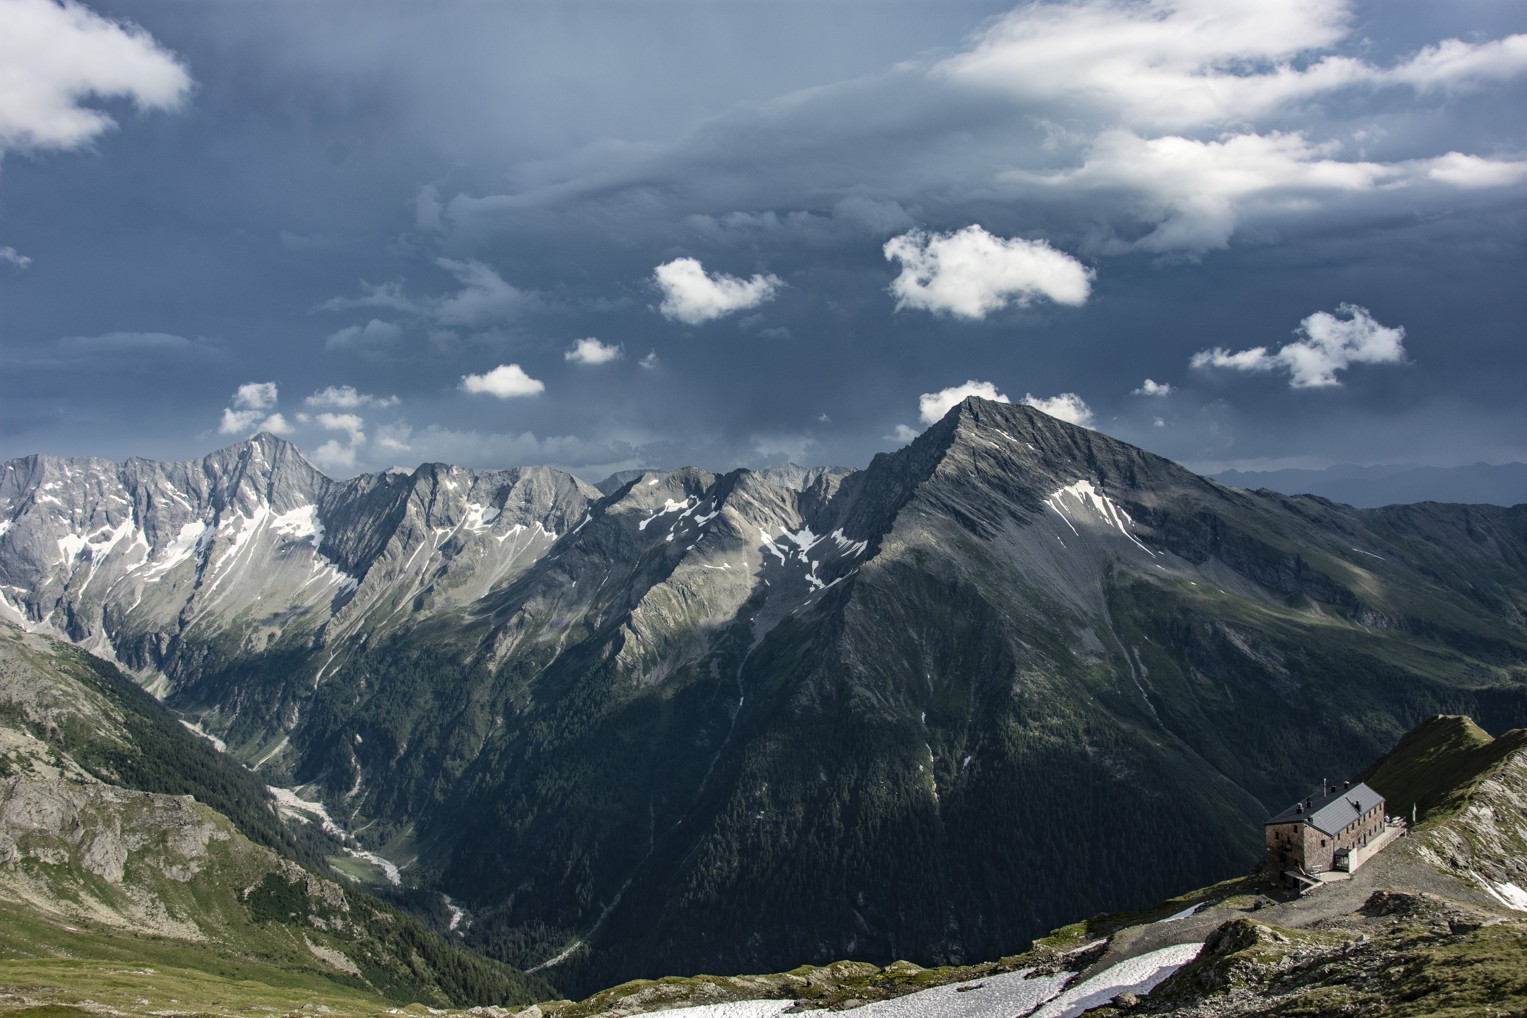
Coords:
1399,867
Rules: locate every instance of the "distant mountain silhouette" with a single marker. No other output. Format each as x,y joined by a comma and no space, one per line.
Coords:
1369,487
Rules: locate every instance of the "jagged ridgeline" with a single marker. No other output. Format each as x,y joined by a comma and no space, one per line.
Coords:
126,838
1013,673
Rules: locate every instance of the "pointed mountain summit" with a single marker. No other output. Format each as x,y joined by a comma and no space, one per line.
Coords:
1014,672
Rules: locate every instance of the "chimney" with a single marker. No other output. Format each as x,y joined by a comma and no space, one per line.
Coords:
1346,785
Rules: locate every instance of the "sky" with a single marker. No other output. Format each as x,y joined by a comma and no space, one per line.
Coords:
608,234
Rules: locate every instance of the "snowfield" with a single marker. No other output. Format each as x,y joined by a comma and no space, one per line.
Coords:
736,1009
1134,975
1009,995
1000,996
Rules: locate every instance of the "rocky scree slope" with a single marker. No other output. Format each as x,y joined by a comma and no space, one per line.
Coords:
101,859
1010,673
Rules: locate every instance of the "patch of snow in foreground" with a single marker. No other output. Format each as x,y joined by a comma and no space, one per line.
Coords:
1134,975
1513,895
1181,915
1011,993
999,996
1507,894
735,1009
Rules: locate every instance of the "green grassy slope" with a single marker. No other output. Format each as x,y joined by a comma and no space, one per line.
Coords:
1438,764
102,846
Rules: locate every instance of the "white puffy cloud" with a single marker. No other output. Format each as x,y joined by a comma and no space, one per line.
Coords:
650,361
931,406
346,397
971,273
1174,108
1067,406
1181,64
1197,192
341,454
335,455
351,424
1327,344
902,433
1255,359
591,351
11,256
1454,64
1151,387
256,396
504,381
374,335
56,54
276,424
484,295
1468,171
251,411
1160,63
692,296
249,422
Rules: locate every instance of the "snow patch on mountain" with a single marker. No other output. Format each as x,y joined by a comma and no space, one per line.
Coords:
299,523
1086,496
670,506
178,550
479,517
847,545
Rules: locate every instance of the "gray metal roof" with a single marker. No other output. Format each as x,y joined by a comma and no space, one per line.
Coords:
1332,811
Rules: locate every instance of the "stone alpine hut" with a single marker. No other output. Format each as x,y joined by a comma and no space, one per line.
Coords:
1322,832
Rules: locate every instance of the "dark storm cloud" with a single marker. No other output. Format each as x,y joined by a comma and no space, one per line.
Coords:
395,199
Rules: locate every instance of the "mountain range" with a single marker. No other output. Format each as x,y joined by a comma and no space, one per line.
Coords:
1014,672
1482,483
